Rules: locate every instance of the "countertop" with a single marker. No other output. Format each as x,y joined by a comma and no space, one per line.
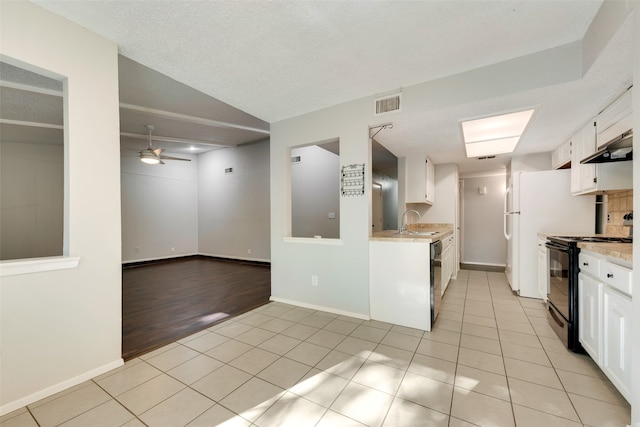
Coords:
442,231
623,251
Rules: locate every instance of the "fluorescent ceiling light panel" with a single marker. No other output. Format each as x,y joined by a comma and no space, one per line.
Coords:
489,148
501,132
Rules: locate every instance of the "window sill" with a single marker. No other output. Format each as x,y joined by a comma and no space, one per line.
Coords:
314,241
37,265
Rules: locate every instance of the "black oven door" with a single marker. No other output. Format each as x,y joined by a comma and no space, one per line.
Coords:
563,294
559,279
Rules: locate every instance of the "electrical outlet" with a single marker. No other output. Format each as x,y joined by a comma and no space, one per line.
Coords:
137,250
173,249
248,251
314,280
608,218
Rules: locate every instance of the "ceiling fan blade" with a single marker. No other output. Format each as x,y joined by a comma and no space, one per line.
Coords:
174,158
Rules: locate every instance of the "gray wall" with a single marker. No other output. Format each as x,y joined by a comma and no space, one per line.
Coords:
484,241
159,209
315,192
389,200
233,209
31,200
185,208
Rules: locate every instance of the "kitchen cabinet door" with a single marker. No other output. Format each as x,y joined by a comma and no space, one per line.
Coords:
590,315
543,270
616,118
447,267
430,183
616,334
561,156
583,177
420,180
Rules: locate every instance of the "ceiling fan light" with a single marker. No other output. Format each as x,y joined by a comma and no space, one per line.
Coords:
149,158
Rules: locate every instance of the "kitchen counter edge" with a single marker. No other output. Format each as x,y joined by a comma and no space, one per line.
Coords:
393,236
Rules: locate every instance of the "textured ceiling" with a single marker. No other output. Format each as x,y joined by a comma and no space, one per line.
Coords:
276,60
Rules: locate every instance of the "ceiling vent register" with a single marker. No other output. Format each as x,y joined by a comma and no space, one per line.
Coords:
388,104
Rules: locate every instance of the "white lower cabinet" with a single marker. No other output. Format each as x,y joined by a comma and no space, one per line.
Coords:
590,315
543,269
399,283
605,317
616,340
448,265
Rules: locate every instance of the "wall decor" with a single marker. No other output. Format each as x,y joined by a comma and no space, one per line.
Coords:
352,180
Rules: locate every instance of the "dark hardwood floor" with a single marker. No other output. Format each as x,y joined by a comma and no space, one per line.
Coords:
168,300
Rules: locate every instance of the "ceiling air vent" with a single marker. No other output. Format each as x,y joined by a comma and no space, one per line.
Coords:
387,104
296,159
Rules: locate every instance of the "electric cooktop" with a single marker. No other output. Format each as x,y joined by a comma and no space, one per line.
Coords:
594,239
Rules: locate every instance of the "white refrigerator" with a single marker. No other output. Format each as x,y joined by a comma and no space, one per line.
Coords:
540,202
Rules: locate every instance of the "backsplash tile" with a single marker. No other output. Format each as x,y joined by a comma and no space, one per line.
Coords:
619,204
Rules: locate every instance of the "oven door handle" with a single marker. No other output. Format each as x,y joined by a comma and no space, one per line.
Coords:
555,317
556,247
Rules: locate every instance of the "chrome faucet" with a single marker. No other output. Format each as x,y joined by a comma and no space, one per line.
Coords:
403,227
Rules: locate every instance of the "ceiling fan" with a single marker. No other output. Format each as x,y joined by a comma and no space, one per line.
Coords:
153,156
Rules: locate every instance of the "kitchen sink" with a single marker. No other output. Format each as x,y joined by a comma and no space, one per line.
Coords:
417,233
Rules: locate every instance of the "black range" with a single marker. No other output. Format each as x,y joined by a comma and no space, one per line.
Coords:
563,269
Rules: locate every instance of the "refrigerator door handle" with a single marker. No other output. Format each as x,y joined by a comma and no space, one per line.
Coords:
506,195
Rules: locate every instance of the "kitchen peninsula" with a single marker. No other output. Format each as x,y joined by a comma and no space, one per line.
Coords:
403,274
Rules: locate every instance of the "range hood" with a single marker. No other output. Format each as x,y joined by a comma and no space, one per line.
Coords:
618,149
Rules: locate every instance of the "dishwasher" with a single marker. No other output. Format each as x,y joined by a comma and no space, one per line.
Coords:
435,271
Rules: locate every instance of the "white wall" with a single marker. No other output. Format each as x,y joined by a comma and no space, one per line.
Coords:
342,265
529,162
59,328
635,390
32,195
446,197
233,209
315,192
159,208
484,241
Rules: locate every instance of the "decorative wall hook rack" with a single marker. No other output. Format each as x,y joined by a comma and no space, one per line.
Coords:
352,180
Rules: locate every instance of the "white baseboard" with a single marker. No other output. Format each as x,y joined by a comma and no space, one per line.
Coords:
61,386
321,308
490,264
132,261
235,257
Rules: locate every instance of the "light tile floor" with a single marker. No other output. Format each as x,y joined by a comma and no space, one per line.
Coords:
491,360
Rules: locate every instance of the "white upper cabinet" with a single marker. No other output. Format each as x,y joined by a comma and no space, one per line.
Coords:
561,156
615,119
592,178
420,180
583,143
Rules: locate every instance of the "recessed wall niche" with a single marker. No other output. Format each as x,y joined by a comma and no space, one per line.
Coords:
31,164
315,190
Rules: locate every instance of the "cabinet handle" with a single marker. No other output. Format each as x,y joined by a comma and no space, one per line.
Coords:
585,264
609,275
